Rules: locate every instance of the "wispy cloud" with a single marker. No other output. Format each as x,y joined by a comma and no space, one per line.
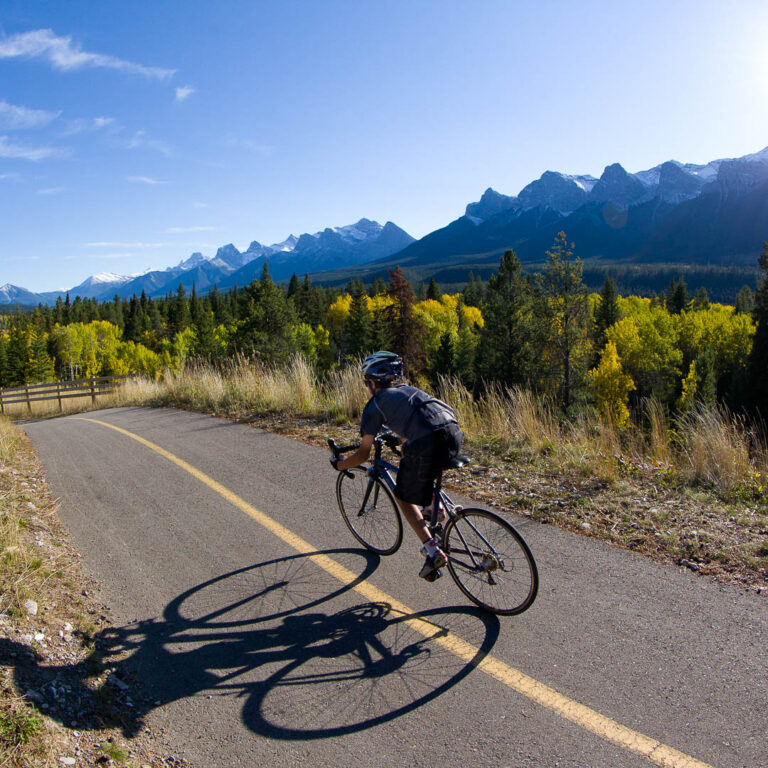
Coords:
141,140
67,56
198,204
15,118
186,230
145,180
10,149
87,125
10,177
257,147
51,191
112,244
183,93
126,255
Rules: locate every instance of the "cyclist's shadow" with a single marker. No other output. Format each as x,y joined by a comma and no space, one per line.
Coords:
227,636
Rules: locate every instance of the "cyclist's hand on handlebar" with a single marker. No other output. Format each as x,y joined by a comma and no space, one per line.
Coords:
335,464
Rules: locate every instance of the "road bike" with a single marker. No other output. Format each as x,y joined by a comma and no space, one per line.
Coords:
487,558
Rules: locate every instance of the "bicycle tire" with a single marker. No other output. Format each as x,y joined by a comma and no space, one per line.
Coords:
508,582
379,526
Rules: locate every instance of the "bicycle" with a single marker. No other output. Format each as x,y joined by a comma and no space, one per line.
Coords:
487,558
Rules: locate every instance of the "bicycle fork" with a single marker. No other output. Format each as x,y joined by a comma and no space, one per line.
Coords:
372,484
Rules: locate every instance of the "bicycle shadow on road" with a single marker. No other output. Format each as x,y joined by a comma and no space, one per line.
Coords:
259,633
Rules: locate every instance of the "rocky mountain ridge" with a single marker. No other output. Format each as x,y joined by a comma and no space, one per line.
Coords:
677,213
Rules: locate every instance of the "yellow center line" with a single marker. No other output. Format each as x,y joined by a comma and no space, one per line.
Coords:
581,715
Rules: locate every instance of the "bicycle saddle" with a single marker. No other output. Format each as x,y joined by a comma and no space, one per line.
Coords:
458,462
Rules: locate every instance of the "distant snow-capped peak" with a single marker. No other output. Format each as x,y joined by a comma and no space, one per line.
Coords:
193,261
287,245
360,231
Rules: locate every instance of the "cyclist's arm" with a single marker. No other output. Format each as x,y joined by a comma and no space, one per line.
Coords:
359,456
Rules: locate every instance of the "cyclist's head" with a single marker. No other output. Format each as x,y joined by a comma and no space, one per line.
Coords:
382,368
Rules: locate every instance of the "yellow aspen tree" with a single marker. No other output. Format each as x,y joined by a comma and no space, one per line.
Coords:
687,397
612,386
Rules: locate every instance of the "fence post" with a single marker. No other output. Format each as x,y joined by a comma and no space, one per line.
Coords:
2,407
58,394
29,401
93,390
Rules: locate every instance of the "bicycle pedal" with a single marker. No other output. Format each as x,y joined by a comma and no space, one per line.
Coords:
434,576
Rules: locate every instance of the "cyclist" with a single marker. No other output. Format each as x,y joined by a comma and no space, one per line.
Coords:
430,437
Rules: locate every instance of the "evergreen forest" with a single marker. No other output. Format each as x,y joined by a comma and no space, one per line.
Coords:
544,331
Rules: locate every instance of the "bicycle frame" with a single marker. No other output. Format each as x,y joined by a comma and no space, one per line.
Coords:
382,469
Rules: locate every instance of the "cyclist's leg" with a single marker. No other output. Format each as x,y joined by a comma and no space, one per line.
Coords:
412,513
413,489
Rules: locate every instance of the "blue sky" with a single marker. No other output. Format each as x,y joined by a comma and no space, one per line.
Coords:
134,133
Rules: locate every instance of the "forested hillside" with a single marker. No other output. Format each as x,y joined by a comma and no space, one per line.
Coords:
543,331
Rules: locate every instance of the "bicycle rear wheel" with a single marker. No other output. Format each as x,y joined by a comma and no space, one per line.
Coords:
370,511
490,562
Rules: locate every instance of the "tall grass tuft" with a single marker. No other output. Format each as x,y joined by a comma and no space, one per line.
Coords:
658,446
345,395
719,448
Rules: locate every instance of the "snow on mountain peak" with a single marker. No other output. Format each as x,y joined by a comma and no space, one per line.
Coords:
107,277
287,245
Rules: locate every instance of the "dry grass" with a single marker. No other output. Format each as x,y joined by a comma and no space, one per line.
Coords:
22,575
720,449
706,446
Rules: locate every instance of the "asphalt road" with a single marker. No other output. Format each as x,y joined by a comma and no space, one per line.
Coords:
256,654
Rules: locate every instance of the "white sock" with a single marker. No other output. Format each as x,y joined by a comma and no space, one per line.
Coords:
430,548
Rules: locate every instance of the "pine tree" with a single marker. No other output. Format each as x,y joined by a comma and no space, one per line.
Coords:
706,377
473,291
119,319
17,355
133,321
678,299
505,351
464,360
3,360
179,316
566,307
357,332
194,306
378,286
39,367
265,330
433,292
443,362
205,346
293,286
700,299
757,366
405,331
745,301
607,312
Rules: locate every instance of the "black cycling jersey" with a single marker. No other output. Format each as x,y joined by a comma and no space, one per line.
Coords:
407,411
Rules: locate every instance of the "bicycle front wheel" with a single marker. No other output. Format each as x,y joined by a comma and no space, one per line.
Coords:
490,562
370,511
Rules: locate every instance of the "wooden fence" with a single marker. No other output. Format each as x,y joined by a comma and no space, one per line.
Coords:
60,390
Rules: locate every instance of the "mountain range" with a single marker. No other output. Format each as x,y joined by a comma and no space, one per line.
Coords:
674,214
336,247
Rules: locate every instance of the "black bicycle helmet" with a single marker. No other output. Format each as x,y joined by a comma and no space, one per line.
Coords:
382,367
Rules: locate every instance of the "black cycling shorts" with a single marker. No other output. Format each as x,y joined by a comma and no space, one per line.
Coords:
422,461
